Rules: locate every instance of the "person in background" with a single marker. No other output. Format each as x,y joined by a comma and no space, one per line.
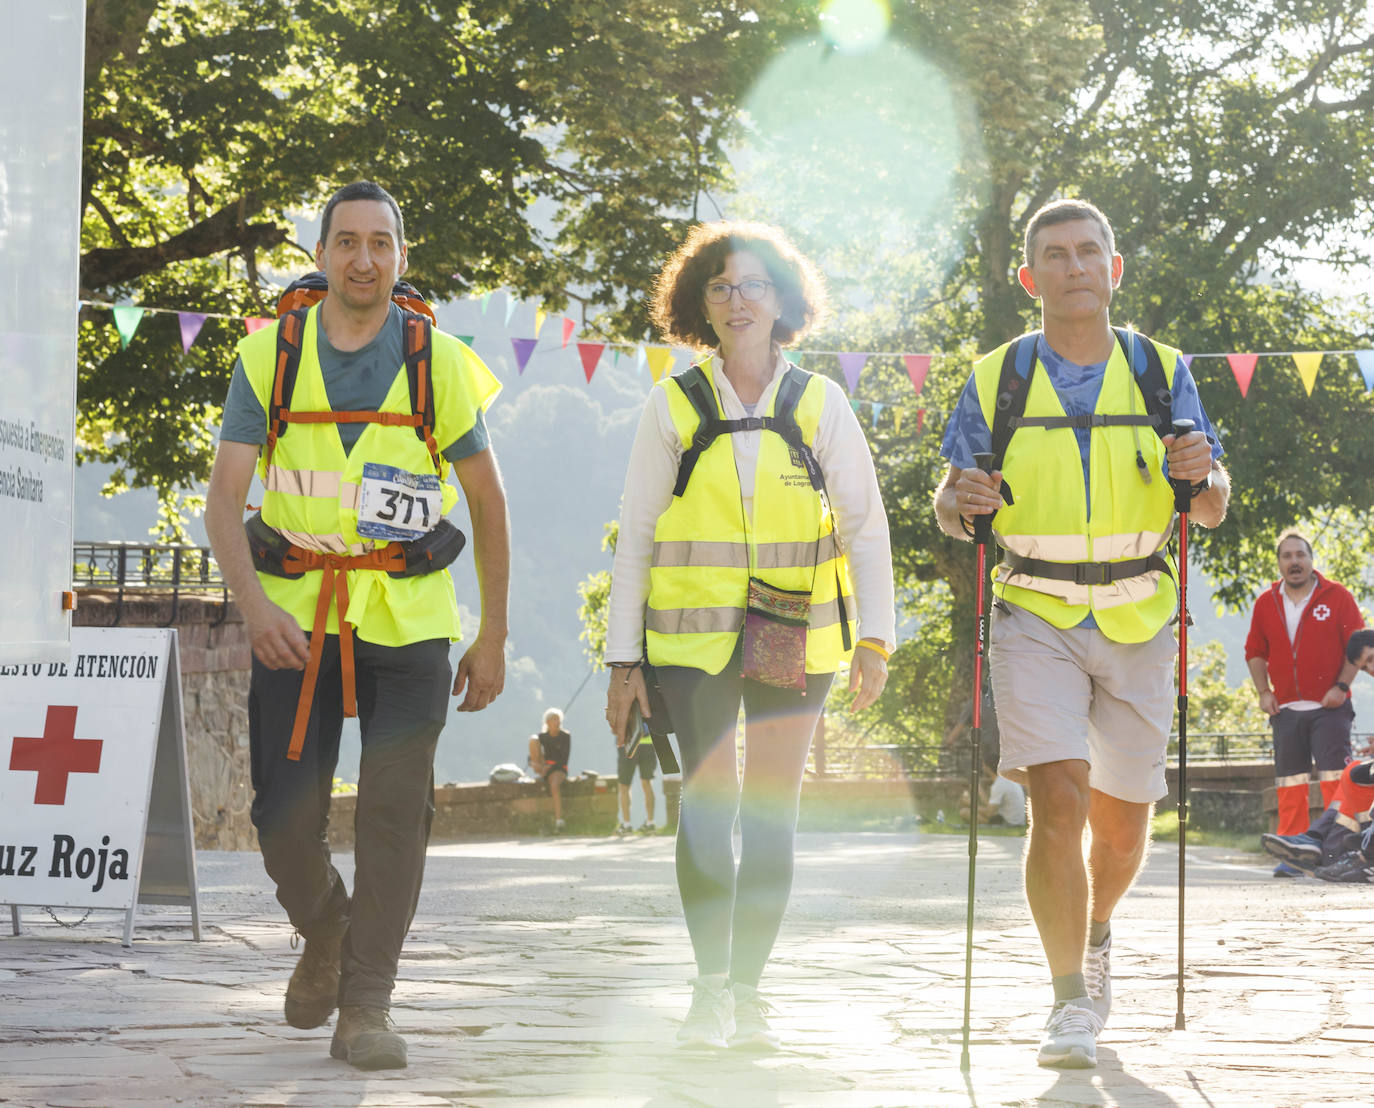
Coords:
750,568
549,751
1296,652
636,752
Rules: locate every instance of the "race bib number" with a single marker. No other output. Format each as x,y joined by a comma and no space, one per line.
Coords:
397,505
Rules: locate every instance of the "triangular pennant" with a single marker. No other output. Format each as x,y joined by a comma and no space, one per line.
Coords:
126,321
466,340
1308,363
1243,366
660,359
511,305
590,353
917,366
920,420
569,326
1365,360
854,404
853,365
897,420
483,301
1187,360
191,323
539,316
523,349
255,323
639,358
877,410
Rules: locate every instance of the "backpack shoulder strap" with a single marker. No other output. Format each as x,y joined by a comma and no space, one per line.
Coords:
419,351
1154,387
1013,386
290,329
692,381
784,421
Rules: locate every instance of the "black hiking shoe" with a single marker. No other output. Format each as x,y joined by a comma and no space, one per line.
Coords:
366,1038
313,992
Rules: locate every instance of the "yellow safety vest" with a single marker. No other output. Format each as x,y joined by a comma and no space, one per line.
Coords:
703,545
312,486
1050,521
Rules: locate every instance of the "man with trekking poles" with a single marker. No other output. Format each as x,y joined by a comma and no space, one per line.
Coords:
1085,451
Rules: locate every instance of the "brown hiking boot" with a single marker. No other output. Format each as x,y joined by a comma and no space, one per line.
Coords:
366,1038
314,989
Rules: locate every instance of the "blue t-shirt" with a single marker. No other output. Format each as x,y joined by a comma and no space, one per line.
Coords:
354,380
1077,387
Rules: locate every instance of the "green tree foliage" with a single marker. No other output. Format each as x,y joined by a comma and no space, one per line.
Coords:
1214,707
595,592
558,149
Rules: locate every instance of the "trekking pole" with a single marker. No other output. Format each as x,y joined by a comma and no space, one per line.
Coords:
982,535
1183,495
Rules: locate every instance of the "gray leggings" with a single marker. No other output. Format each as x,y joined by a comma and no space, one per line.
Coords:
733,917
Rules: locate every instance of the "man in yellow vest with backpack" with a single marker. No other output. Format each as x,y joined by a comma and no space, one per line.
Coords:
352,411
1078,420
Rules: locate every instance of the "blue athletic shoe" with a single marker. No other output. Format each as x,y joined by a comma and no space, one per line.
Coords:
1283,869
1303,850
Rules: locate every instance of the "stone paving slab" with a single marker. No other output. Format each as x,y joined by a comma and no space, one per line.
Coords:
553,972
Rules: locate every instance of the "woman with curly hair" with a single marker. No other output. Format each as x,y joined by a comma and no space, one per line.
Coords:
753,558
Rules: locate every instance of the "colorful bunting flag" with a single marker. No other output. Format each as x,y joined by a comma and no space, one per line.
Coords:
853,403
255,323
466,340
590,353
569,326
1243,366
897,420
523,349
1308,364
539,315
920,420
191,323
853,365
660,361
1365,360
917,366
877,410
511,305
126,321
1187,361
483,301
640,361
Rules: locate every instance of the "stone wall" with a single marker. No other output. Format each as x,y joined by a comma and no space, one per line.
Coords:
215,657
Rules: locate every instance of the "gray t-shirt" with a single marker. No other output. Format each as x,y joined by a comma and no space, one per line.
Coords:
354,381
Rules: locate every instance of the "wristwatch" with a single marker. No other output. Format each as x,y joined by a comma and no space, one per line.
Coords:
1199,487
1342,686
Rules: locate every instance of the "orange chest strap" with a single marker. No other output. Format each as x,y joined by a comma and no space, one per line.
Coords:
333,585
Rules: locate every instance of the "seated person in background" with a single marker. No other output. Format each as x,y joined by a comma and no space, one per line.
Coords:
1330,848
1002,802
549,752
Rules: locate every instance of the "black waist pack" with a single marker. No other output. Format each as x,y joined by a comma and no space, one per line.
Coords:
428,554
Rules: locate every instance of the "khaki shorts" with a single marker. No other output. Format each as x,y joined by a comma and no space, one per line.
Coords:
1077,694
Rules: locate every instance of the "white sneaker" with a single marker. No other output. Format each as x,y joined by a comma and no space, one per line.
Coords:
752,1031
647,827
1070,1040
711,1019
1097,974
624,829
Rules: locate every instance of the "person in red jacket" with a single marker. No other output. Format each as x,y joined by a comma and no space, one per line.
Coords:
1296,654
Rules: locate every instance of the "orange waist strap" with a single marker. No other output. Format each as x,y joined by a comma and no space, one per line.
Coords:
333,582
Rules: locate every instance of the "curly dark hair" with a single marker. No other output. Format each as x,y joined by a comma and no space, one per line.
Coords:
678,310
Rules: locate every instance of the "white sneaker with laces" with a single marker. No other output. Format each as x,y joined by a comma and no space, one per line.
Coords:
752,1030
1097,974
1070,1040
711,1019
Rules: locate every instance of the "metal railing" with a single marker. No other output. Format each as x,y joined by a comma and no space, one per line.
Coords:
142,569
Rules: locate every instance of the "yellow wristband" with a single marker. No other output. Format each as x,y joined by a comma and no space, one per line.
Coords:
878,649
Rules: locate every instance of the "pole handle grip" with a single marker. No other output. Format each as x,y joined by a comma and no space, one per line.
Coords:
982,524
1183,490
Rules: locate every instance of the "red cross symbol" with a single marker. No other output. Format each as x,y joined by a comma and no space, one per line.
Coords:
56,754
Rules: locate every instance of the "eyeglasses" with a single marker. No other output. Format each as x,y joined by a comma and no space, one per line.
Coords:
718,292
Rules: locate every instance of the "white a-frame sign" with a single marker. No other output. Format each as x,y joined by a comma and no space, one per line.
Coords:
95,805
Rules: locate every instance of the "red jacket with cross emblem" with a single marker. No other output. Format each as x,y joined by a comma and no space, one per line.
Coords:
1307,667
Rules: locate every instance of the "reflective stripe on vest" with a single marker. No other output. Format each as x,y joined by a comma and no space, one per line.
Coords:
1129,518
699,572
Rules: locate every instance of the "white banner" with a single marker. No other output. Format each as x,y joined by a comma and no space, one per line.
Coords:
42,47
